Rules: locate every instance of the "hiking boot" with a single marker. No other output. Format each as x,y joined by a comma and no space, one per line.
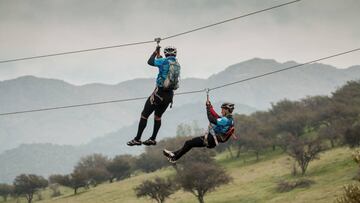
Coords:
149,142
172,160
134,142
168,153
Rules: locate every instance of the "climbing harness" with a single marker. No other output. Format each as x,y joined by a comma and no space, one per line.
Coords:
228,134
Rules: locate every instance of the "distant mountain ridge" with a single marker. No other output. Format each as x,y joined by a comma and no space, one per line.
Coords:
80,125
106,128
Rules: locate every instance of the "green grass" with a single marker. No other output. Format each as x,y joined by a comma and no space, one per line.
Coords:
253,181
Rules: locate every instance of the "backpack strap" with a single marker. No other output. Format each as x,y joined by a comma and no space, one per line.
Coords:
231,133
206,137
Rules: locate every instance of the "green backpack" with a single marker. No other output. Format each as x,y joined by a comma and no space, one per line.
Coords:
172,79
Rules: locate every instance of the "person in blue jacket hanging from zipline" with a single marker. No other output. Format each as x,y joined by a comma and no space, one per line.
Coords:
167,81
220,129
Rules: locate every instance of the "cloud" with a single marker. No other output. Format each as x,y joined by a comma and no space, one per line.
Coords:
301,31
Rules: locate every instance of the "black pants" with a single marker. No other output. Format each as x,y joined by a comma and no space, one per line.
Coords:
195,142
158,102
162,99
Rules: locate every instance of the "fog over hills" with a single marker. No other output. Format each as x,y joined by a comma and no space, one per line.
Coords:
80,125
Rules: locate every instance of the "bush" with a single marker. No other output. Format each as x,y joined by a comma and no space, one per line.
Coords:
351,194
352,136
55,188
6,190
356,158
159,189
286,186
201,178
29,184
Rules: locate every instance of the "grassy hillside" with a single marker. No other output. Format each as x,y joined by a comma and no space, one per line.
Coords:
253,182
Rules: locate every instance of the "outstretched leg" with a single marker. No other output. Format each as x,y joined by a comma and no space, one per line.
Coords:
188,145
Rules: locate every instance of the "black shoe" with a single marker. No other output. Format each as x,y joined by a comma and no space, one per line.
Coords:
172,160
168,153
170,156
149,142
134,142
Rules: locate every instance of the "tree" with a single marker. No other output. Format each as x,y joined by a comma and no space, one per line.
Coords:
55,189
333,132
201,178
158,189
94,168
28,185
349,96
304,150
56,178
239,129
290,117
352,136
75,180
6,190
196,130
183,129
120,167
252,134
151,160
330,118
296,122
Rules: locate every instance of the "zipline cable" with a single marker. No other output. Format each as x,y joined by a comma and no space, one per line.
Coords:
284,69
90,104
184,93
149,41
77,51
231,19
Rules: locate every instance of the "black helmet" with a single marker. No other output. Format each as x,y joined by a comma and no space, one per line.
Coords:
228,106
170,51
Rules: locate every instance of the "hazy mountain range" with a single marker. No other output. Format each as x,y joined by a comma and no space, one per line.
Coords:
106,128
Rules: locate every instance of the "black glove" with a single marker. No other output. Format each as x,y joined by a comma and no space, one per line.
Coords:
208,104
158,49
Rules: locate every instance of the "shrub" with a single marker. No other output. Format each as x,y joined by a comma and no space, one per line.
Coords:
286,186
351,194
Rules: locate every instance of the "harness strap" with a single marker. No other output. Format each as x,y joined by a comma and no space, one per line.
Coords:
211,132
152,96
206,139
216,141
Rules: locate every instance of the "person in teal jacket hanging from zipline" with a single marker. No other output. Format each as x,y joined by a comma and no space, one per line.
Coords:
220,129
166,82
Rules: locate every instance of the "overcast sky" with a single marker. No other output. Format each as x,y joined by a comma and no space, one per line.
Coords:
302,31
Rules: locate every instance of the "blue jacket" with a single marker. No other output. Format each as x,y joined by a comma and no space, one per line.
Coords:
163,65
220,124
